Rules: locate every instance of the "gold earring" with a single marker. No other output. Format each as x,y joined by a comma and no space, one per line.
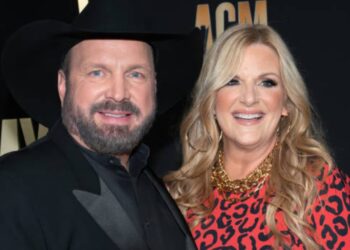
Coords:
220,136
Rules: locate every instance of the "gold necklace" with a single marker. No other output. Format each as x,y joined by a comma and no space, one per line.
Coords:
253,182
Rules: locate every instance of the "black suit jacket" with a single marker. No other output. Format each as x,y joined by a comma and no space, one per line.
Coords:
51,198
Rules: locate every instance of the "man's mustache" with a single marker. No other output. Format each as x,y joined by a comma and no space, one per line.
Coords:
125,106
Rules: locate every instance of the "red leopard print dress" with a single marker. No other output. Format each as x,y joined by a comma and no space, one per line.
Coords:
242,225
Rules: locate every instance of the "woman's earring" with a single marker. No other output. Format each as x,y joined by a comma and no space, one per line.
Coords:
220,136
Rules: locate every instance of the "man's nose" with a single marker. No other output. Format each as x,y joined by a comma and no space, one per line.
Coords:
118,88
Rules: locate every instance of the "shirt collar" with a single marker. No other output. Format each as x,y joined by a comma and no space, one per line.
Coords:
137,160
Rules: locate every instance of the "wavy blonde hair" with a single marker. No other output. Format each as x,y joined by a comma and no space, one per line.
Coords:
301,154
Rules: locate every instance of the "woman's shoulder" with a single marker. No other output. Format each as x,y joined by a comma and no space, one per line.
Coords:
332,179
332,208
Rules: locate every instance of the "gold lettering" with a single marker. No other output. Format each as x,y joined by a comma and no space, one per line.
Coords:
220,16
9,136
82,4
28,130
244,14
42,131
260,15
203,21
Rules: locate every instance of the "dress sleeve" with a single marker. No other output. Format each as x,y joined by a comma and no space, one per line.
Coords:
331,212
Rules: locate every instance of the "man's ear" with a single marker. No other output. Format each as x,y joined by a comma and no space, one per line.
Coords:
61,85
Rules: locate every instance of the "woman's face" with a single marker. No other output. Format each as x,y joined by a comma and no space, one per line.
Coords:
249,107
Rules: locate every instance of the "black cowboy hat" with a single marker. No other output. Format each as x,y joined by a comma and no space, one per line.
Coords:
33,55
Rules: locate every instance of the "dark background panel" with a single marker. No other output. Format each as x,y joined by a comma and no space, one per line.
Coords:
318,35
317,32
14,14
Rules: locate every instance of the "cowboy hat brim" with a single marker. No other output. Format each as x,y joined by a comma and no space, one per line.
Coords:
33,55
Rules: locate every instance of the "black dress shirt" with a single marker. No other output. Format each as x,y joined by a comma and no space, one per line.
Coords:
137,196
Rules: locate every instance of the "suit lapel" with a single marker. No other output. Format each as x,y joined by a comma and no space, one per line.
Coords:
94,196
111,217
89,188
173,209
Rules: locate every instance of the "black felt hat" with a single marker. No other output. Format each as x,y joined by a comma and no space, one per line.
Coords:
33,54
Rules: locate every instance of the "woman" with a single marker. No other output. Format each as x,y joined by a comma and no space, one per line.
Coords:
256,174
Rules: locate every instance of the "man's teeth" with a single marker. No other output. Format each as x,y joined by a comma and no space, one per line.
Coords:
248,116
115,115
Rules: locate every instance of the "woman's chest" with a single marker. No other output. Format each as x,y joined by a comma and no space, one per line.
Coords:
240,225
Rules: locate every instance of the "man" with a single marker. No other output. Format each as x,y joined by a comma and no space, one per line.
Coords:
86,185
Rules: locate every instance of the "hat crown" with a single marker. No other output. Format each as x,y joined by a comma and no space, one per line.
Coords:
137,16
40,46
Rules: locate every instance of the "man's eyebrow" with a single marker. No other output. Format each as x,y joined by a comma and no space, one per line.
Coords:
141,66
93,65
89,65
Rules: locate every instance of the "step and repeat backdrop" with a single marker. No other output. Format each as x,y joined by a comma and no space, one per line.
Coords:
317,32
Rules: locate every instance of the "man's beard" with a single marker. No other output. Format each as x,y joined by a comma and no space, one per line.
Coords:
105,139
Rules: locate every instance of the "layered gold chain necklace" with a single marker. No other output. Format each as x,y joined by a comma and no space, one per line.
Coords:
252,183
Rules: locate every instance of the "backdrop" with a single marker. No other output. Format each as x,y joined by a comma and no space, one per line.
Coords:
316,31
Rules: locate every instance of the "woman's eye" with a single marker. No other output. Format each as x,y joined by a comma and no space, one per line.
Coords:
233,82
268,83
96,73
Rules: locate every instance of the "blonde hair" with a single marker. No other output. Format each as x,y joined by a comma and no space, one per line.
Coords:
301,150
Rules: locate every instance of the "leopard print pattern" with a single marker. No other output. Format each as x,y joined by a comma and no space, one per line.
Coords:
242,225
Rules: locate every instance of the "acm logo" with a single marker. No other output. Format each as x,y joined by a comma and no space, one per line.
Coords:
215,19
